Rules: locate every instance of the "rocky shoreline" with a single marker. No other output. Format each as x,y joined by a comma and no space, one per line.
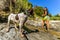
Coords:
41,35
53,24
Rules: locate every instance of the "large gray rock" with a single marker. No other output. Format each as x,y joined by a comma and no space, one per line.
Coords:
13,35
2,4
53,24
41,36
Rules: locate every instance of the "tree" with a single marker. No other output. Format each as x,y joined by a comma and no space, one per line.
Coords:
38,10
19,5
49,15
57,15
30,5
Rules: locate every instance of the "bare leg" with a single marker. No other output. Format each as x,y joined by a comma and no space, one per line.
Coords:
42,24
47,22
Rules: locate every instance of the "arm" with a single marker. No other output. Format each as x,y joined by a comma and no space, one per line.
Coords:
45,13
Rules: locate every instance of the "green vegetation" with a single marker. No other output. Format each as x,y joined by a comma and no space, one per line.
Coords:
38,11
55,18
24,5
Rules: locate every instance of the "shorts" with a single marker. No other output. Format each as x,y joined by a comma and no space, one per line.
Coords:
46,18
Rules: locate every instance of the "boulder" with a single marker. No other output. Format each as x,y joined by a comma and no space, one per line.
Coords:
15,35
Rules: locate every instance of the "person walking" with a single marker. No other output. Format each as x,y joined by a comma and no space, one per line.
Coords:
45,18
